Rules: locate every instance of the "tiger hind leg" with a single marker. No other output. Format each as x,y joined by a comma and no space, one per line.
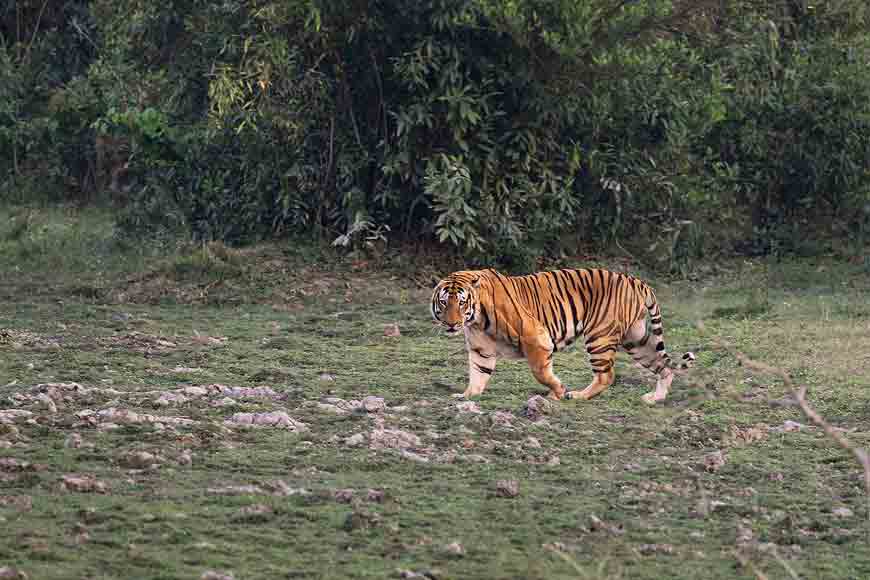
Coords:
647,348
602,353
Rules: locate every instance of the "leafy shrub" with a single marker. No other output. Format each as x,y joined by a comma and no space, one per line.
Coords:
502,129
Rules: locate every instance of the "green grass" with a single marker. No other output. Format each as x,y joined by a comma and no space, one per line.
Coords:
310,333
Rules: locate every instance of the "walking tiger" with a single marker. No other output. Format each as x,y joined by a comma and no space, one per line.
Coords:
536,315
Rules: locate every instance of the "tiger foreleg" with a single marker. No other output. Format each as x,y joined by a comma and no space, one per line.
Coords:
540,359
480,368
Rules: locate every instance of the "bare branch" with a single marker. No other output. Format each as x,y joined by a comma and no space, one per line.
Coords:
800,395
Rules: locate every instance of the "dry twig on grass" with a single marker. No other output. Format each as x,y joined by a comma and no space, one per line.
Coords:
800,394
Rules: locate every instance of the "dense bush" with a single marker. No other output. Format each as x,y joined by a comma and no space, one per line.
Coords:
504,128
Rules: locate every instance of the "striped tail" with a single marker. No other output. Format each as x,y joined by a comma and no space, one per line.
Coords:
663,359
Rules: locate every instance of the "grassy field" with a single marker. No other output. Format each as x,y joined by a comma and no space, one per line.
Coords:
126,382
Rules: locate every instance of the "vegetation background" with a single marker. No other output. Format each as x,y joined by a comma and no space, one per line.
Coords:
507,130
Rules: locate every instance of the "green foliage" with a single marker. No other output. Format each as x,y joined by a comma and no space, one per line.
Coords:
502,128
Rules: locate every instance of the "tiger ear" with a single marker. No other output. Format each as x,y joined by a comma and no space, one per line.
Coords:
475,283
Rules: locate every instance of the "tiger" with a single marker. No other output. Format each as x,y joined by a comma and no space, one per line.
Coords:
535,315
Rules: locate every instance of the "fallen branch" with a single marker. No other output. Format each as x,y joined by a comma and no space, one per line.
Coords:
800,395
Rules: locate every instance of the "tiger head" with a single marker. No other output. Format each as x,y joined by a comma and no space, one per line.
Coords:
455,301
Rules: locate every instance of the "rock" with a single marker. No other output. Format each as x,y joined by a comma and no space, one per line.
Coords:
790,426
225,402
280,488
502,419
468,407
714,461
127,417
140,460
392,439
343,495
48,403
414,456
373,404
355,440
536,407
357,520
22,503
647,549
455,549
339,406
239,392
255,513
14,415
236,490
215,575
185,458
9,573
167,399
83,484
507,488
276,419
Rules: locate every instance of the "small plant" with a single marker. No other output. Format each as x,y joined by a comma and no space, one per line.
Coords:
363,234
